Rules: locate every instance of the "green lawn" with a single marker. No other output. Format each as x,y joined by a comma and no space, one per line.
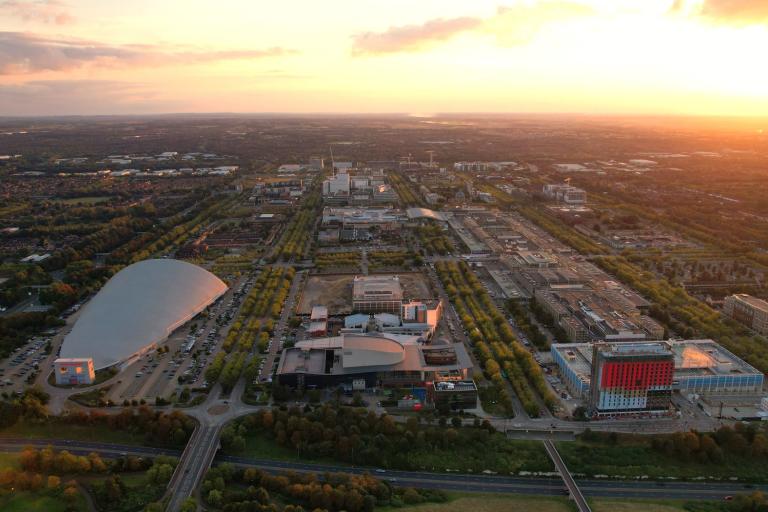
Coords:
23,429
610,505
9,460
37,502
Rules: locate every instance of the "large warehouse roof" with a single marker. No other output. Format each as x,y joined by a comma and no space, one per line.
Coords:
141,305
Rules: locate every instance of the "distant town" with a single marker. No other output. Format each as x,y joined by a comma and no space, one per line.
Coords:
416,315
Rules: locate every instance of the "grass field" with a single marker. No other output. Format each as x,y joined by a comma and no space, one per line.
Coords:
28,502
493,503
90,200
74,432
9,460
466,502
605,505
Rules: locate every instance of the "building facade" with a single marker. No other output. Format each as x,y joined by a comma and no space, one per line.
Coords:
453,396
701,367
748,310
631,378
74,371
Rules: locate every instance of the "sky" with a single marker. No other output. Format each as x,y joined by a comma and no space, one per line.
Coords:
649,57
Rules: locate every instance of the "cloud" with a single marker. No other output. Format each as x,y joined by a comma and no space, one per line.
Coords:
739,11
735,12
22,53
45,11
510,25
412,37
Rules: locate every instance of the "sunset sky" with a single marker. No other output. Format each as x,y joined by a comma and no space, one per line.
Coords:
417,56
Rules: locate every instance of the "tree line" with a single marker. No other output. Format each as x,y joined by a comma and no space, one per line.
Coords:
496,346
361,437
236,489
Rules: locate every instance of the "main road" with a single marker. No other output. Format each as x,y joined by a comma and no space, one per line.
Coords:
487,483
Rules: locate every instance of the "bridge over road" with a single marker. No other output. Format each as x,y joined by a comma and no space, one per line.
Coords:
570,483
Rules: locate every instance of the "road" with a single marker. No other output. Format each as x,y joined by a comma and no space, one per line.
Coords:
193,464
542,485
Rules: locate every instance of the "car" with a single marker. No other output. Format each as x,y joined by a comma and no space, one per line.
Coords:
728,498
379,470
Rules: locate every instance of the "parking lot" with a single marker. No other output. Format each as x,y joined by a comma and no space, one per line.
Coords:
24,364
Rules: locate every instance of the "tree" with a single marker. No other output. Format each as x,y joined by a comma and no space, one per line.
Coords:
54,482
70,493
189,505
215,498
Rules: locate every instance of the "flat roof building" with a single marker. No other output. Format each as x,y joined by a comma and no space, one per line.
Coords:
319,313
748,310
384,219
74,371
565,193
453,395
700,366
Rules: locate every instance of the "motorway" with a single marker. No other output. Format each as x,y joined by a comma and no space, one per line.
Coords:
194,463
486,483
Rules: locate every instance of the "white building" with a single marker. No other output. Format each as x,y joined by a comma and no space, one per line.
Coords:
565,193
74,371
569,167
337,185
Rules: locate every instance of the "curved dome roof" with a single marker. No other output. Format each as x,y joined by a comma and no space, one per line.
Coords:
141,305
361,351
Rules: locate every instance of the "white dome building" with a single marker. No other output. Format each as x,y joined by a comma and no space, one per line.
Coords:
139,308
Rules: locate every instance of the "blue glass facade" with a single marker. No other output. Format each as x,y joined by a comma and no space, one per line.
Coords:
577,386
718,383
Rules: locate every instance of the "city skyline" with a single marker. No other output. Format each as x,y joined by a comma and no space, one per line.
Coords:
658,57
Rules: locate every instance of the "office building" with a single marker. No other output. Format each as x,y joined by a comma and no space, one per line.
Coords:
700,366
631,378
74,371
565,193
453,396
748,310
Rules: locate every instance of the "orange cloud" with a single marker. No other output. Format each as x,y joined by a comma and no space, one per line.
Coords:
509,25
23,53
412,37
739,11
735,12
